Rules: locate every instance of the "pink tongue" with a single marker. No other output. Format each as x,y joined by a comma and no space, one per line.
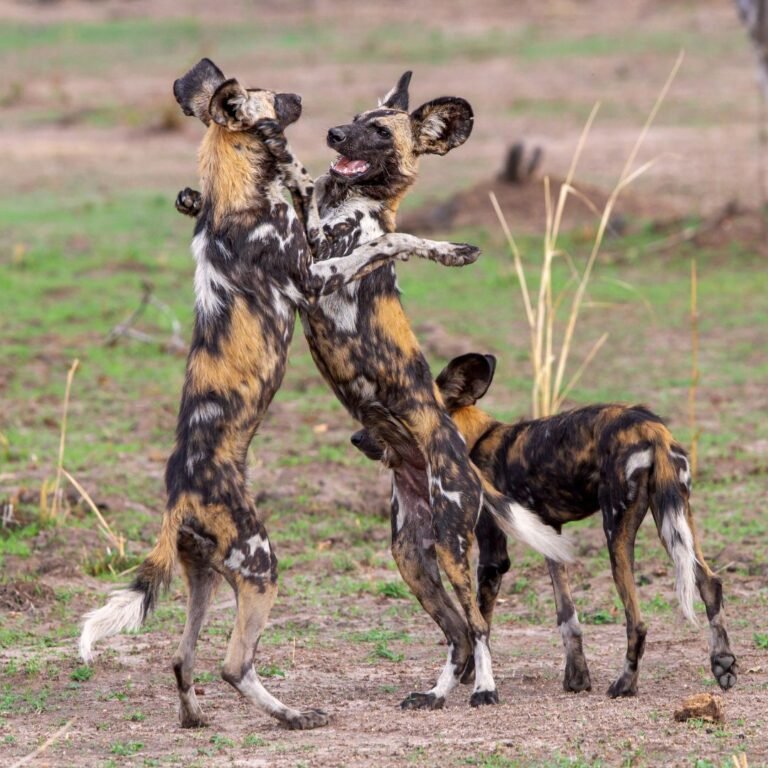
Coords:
345,165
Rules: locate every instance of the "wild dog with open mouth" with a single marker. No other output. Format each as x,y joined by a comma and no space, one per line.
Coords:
613,458
253,270
363,345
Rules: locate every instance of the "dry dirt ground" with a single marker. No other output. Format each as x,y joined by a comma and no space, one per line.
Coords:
343,636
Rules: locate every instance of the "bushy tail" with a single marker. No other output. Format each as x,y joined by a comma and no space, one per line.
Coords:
128,608
669,503
515,520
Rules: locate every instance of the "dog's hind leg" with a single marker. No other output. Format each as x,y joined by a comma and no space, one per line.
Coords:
251,569
722,658
620,527
195,552
576,670
492,564
455,495
413,549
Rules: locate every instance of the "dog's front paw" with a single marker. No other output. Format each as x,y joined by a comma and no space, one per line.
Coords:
271,133
422,701
461,254
483,698
306,720
454,254
189,202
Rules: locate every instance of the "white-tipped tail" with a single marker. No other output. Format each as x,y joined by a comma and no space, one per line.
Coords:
678,538
125,610
515,520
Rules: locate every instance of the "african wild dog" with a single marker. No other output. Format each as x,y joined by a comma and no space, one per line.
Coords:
613,458
253,270
363,345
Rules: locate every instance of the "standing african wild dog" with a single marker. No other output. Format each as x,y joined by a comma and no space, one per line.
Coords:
614,458
363,345
253,270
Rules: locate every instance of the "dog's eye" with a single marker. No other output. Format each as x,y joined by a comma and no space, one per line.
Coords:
383,131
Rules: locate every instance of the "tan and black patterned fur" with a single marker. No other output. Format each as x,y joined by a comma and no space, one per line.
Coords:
615,459
254,269
363,344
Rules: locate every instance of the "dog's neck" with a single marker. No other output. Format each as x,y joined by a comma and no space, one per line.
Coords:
382,200
237,172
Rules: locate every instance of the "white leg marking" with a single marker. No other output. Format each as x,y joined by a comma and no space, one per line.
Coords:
483,667
448,680
250,686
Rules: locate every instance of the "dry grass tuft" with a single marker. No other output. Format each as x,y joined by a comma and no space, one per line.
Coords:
550,387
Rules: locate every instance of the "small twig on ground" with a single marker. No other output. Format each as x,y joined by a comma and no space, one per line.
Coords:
126,328
47,743
56,504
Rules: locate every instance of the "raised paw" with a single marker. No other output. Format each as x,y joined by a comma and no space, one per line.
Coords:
422,701
483,698
306,720
463,254
454,254
724,668
271,133
576,677
625,685
189,202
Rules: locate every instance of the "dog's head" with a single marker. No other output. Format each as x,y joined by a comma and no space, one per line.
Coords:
381,147
205,93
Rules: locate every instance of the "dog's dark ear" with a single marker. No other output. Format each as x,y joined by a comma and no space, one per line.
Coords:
466,379
193,91
441,125
397,98
228,106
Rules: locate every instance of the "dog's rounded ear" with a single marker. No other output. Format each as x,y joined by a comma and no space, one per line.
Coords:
466,379
193,91
397,98
227,106
287,108
441,125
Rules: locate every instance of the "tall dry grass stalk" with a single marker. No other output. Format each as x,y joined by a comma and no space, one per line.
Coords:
549,356
692,389
55,511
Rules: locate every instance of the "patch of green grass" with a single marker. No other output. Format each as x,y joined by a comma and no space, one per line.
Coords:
206,677
81,674
221,742
126,748
599,616
253,740
271,670
136,717
383,651
397,590
761,640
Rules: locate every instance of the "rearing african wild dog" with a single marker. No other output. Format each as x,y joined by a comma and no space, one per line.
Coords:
612,458
363,345
253,270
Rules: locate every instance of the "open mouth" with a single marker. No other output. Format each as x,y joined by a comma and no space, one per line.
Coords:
349,169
